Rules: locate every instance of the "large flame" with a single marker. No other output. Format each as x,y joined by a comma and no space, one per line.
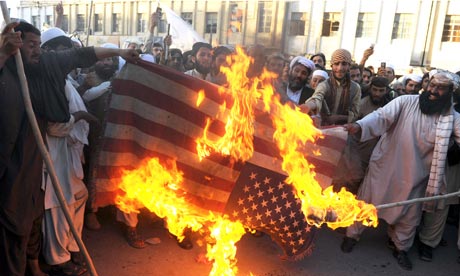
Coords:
155,186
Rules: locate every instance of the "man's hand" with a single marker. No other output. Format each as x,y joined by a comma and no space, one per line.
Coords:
168,41
130,55
83,115
154,18
59,9
10,42
352,128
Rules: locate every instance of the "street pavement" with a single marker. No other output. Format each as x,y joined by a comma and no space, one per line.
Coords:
112,256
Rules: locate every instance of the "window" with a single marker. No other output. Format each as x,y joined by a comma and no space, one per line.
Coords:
116,22
211,22
98,21
366,25
297,24
36,21
264,20
80,23
49,20
331,23
65,23
141,23
187,17
235,18
402,26
451,32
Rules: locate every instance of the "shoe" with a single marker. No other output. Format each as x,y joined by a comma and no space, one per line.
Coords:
348,244
78,259
391,244
425,252
403,260
67,269
186,243
91,221
133,238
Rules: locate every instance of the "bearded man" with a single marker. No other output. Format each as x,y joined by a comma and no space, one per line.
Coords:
202,60
337,99
409,159
300,69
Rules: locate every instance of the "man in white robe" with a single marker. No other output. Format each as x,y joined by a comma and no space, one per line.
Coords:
409,159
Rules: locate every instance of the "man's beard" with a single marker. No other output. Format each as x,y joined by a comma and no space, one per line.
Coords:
438,105
202,69
105,72
32,69
296,84
377,101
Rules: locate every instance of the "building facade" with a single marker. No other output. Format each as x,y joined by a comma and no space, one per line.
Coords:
405,33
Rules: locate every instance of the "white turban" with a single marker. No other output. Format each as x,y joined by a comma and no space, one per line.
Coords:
109,45
320,73
445,77
304,61
413,77
50,34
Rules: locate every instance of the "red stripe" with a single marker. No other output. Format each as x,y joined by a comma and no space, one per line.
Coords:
195,174
166,102
192,83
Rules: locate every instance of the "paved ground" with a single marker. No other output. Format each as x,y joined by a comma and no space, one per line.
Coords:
112,256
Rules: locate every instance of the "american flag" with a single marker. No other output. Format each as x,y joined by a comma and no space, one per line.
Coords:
153,113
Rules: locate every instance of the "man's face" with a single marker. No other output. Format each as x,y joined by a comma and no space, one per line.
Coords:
156,51
298,77
105,68
355,75
412,87
275,65
221,60
31,50
340,69
378,94
389,74
315,81
318,60
366,77
203,60
437,89
175,61
437,97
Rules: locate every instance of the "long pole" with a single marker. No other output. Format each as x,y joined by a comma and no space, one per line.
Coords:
89,24
416,200
43,150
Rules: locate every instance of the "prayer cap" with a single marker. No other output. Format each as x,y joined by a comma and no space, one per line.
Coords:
321,73
304,61
340,55
51,33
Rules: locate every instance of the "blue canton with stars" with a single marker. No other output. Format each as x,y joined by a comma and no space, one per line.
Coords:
262,201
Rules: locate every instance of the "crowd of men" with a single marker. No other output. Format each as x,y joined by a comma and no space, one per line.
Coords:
403,142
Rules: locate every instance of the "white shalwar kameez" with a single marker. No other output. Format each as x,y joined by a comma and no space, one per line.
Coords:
400,164
65,143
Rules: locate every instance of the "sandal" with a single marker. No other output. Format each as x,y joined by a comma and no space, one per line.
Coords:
67,269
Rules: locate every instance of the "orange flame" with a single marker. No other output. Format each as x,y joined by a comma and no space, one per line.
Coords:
155,187
293,129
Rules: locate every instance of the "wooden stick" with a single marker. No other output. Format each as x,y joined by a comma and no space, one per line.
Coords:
416,200
43,150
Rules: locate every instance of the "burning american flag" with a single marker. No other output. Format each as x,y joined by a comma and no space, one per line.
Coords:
156,112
